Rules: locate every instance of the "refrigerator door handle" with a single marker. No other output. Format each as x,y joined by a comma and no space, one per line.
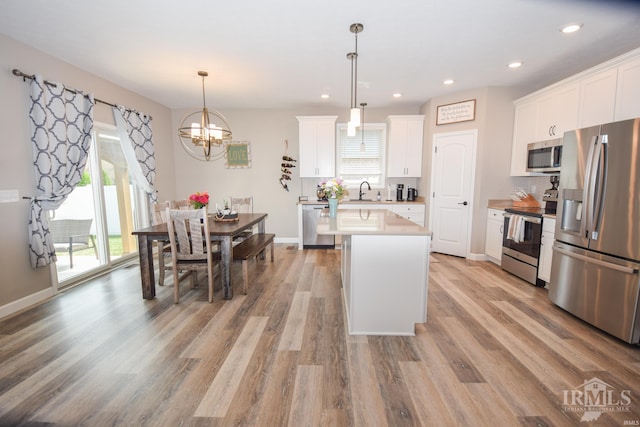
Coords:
621,268
600,185
588,195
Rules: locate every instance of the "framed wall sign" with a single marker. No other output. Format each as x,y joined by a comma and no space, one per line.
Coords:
457,112
238,155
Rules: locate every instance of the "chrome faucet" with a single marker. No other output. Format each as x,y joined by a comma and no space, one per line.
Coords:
361,192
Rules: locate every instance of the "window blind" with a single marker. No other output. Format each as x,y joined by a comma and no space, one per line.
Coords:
362,159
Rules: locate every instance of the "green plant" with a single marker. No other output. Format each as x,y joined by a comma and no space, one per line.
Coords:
85,179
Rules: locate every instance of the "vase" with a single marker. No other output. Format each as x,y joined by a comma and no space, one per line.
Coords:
333,208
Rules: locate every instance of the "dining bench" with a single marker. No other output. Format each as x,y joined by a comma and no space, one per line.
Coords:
249,248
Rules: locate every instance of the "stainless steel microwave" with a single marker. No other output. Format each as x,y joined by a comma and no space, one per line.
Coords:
544,156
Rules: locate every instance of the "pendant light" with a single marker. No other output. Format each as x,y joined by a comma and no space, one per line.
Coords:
354,112
362,147
204,133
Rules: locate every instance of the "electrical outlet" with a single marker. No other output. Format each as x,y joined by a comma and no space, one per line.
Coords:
8,196
533,189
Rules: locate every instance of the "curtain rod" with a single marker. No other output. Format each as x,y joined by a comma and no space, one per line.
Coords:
24,76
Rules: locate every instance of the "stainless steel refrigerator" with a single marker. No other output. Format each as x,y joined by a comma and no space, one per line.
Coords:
596,256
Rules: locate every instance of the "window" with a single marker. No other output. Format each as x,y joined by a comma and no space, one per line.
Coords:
362,159
113,205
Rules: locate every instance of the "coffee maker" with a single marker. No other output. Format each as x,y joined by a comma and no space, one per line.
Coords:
550,196
412,193
399,191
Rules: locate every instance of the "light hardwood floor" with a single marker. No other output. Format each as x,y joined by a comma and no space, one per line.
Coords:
494,352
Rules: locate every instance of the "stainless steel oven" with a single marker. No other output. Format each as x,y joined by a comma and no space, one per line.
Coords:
521,244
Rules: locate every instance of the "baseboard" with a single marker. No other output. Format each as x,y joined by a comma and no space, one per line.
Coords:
477,257
286,240
26,302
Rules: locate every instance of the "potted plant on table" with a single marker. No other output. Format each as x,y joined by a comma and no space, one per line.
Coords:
333,190
199,200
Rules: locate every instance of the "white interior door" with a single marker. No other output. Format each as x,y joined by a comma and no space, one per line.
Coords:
452,172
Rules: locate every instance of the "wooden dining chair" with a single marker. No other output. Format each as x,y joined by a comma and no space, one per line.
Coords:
190,247
181,204
242,205
163,247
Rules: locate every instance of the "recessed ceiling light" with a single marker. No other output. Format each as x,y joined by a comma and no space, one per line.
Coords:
571,28
448,81
397,95
515,64
324,96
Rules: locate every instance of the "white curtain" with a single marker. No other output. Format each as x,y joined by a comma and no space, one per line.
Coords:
134,130
62,122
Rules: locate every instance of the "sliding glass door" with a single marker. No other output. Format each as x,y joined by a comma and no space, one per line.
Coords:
108,207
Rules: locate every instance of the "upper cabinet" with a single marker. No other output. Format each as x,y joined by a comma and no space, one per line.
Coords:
317,139
557,112
605,93
546,116
628,94
405,138
598,98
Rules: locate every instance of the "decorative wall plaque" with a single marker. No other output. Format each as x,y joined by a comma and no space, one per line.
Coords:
457,112
238,155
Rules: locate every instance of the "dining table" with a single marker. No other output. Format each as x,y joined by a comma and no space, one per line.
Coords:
222,232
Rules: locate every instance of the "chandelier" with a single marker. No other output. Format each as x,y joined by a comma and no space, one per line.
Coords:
354,114
205,132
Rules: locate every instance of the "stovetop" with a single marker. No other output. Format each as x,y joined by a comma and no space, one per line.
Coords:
536,212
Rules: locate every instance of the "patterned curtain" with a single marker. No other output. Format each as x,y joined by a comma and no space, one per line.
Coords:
62,123
134,130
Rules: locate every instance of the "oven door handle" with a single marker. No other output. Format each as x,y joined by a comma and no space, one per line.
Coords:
532,219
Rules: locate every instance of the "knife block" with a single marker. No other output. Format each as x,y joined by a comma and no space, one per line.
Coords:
527,202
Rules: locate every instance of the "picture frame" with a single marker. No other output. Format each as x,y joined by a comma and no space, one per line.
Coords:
238,155
463,111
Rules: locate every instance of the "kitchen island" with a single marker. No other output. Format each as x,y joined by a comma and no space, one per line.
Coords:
384,269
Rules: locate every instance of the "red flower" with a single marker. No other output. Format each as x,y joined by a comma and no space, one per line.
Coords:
199,200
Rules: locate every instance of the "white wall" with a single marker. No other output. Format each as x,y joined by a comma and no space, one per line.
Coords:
494,121
179,175
266,130
18,281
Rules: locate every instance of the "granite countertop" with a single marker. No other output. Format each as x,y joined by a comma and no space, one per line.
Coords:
369,222
500,204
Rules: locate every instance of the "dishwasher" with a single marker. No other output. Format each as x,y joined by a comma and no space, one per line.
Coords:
311,239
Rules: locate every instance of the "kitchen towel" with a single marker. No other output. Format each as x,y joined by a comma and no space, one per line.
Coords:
516,228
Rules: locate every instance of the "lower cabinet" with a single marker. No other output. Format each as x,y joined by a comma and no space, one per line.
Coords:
493,239
546,248
413,212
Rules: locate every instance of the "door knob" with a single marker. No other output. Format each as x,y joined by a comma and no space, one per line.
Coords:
465,203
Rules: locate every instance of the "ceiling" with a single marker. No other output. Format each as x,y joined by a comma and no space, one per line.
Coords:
286,53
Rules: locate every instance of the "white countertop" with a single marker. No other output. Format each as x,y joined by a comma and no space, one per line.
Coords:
418,201
369,222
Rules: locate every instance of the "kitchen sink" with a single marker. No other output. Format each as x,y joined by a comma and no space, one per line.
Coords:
358,200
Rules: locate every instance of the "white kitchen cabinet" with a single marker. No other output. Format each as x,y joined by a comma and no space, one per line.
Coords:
557,112
493,239
604,93
405,140
598,98
317,139
546,248
523,133
413,212
628,90
544,116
